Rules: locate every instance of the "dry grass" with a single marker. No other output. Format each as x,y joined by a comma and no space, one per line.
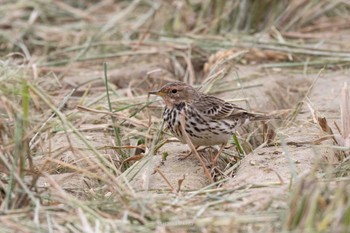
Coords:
67,122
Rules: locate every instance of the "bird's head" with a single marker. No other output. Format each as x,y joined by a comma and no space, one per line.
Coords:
176,93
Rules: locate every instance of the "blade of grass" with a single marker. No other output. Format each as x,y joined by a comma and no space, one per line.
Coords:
235,139
115,128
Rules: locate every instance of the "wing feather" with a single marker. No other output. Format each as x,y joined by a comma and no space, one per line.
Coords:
218,109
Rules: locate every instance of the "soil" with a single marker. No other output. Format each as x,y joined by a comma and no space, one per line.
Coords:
291,155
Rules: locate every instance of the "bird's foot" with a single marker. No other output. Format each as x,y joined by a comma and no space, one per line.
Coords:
214,162
186,155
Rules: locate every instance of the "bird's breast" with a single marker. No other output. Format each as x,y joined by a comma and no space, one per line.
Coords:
201,129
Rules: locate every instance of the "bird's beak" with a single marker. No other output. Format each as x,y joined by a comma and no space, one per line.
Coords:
159,93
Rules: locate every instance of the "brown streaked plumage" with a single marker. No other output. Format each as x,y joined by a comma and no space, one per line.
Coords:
208,119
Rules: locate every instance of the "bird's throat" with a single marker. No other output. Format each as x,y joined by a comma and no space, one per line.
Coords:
179,106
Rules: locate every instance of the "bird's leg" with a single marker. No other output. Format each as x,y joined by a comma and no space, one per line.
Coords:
219,152
193,149
185,156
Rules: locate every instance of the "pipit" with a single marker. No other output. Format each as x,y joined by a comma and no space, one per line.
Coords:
207,120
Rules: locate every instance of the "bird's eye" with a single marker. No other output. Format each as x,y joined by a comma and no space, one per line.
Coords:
173,91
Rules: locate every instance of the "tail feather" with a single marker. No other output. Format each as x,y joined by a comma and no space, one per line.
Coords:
245,116
261,117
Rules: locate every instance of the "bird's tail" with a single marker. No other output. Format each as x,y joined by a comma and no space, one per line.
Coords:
262,117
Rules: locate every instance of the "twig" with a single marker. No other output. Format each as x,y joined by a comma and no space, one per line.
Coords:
179,182
300,104
125,118
190,144
166,180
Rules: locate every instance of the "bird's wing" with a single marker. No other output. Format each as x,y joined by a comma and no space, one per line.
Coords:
219,109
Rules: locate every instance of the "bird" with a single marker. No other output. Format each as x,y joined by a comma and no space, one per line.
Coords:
207,120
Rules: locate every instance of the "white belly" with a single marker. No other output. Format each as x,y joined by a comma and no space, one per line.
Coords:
210,140
204,135
201,130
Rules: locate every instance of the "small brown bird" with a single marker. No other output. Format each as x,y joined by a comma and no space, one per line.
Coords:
208,120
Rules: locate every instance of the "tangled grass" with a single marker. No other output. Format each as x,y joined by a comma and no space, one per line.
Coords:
58,175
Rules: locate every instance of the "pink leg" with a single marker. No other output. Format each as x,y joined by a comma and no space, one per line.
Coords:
219,152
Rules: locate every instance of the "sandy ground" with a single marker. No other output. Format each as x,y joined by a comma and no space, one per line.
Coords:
291,156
